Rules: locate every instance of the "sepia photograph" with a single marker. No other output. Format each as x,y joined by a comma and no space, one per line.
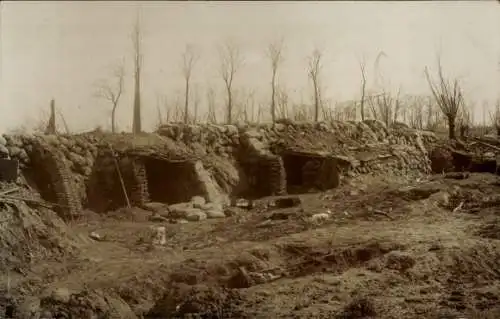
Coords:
250,159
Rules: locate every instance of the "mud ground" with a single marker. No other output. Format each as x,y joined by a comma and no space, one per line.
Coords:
389,249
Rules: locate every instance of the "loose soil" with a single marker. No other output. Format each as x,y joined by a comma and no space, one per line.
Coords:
390,249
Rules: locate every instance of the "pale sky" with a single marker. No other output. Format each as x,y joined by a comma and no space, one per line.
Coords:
62,49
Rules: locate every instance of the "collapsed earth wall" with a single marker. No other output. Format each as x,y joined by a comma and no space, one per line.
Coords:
215,161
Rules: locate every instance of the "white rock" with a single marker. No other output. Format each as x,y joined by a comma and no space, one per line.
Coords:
215,214
180,210
159,235
320,217
95,236
198,201
194,216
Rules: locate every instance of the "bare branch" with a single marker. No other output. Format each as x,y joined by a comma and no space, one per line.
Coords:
189,59
362,66
448,96
274,52
231,61
112,90
314,69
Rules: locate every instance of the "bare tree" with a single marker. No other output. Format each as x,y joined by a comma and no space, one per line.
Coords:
448,95
51,125
212,112
464,119
314,70
112,91
495,117
230,63
189,59
362,66
274,52
136,41
385,107
196,104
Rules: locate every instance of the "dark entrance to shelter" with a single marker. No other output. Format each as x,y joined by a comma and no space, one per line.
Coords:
171,182
307,171
39,177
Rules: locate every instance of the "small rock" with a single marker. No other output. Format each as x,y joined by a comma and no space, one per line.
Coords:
198,201
180,210
441,198
3,141
211,206
157,218
320,217
155,207
286,202
95,236
14,151
160,235
194,216
212,213
61,294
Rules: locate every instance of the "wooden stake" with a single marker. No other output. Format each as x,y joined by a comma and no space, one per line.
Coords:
120,176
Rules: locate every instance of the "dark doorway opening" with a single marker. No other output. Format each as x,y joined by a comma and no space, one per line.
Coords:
171,182
296,180
38,176
307,172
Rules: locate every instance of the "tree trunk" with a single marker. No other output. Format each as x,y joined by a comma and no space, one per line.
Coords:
113,121
229,106
451,128
136,123
362,106
186,103
273,99
316,103
51,127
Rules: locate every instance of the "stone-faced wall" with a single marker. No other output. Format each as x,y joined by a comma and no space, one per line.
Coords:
357,147
224,161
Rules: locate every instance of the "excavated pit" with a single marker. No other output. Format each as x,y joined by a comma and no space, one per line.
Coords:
171,182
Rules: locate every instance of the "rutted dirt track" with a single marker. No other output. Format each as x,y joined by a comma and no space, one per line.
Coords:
428,249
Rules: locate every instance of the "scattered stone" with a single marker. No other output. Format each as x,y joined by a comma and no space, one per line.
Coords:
320,217
96,236
198,201
195,215
442,198
180,210
60,294
158,218
156,207
213,213
160,235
